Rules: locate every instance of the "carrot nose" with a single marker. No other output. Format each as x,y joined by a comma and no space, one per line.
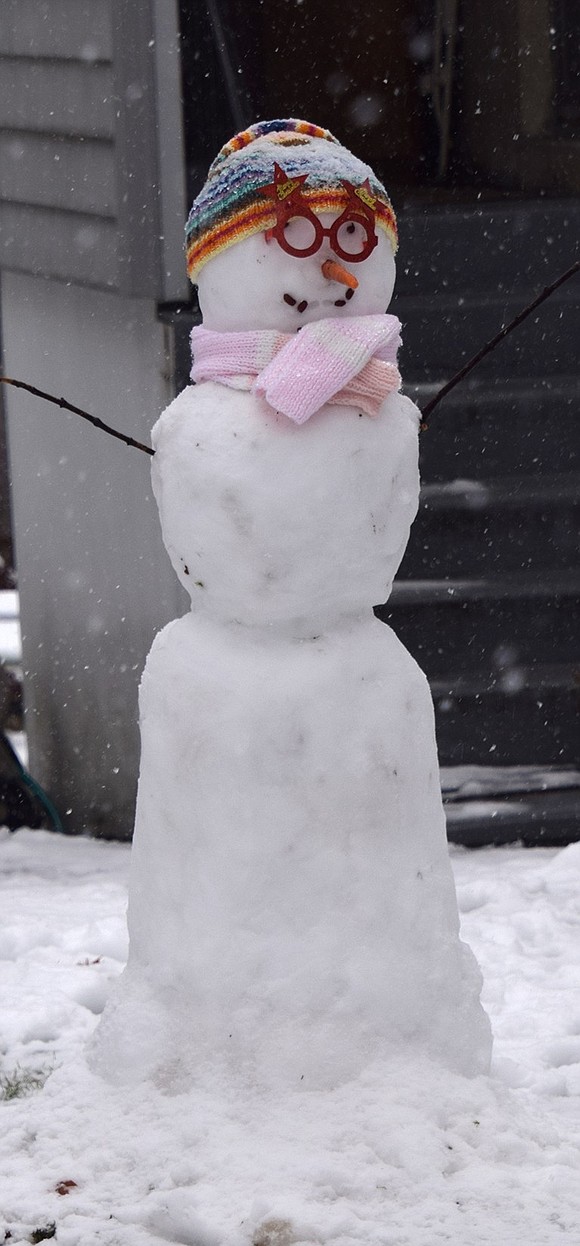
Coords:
335,272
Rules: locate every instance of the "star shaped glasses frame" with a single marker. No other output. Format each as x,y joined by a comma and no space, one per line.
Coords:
290,204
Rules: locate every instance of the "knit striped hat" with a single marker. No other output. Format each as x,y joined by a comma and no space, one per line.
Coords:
234,203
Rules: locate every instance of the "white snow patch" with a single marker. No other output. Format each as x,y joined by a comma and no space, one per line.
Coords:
407,1155
10,635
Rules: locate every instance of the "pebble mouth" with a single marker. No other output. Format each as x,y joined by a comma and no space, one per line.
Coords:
342,302
304,303
292,302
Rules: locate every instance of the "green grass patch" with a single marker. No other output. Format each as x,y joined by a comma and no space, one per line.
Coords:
21,1082
43,1234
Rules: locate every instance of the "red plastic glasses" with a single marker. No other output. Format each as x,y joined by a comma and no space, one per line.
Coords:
301,233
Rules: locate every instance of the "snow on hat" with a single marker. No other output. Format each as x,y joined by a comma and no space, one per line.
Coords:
234,202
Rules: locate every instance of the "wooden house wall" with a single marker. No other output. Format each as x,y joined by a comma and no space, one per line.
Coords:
91,165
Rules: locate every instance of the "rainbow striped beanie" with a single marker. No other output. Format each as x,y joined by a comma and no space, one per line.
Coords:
233,204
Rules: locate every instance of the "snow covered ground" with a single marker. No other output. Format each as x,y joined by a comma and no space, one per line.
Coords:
410,1155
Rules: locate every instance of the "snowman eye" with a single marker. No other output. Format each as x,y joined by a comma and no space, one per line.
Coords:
299,233
352,237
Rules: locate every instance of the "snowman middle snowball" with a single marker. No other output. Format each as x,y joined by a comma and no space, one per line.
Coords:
292,914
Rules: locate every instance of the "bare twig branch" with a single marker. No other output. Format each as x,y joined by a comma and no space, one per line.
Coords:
489,346
68,406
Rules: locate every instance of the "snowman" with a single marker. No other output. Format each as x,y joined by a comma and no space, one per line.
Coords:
292,914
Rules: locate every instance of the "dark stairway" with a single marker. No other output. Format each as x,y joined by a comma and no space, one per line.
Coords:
488,595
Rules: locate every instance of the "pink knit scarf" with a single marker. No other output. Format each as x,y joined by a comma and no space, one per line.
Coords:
346,362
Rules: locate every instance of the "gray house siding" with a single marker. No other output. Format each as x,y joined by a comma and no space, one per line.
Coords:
91,168
58,184
78,29
29,174
43,96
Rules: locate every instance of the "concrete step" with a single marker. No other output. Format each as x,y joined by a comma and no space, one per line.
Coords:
476,529
496,626
501,246
526,427
536,819
441,333
486,719
494,804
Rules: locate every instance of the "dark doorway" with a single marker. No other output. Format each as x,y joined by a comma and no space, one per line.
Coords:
362,71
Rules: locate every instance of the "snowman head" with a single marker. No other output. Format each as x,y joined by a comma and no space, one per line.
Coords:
290,228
